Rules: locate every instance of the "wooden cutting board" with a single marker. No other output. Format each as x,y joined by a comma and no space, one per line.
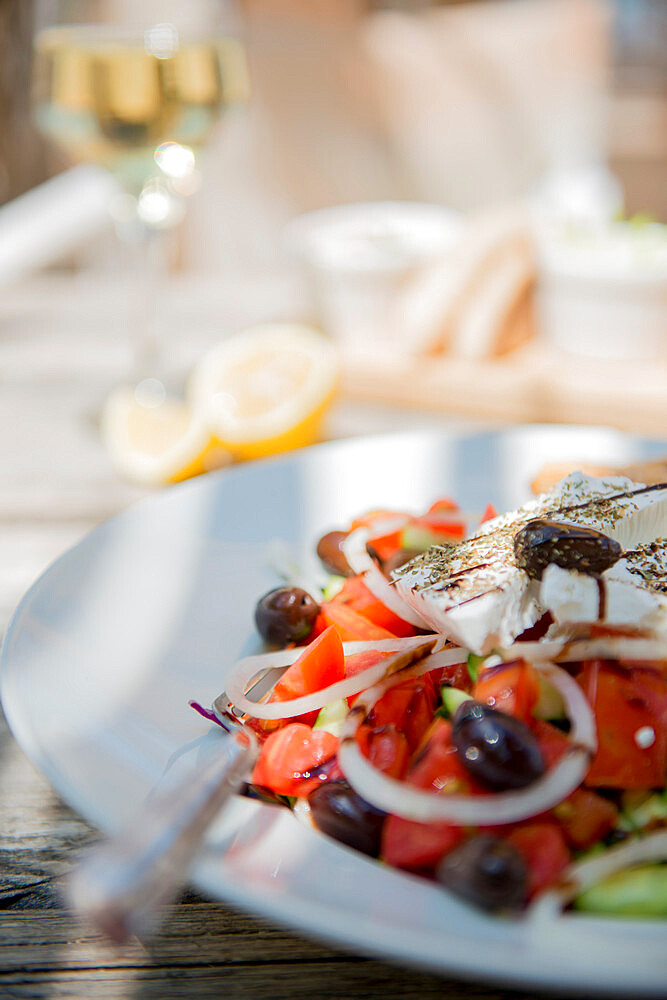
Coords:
533,384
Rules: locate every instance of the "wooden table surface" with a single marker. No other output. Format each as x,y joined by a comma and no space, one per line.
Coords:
63,343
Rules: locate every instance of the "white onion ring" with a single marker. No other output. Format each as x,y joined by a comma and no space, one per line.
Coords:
354,550
584,874
583,730
405,800
574,650
248,668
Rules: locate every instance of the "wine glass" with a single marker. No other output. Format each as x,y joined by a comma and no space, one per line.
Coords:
139,88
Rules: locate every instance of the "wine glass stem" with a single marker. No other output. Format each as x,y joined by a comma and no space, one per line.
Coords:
147,327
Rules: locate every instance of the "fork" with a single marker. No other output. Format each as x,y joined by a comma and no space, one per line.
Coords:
124,885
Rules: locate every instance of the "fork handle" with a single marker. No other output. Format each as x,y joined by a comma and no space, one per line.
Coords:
124,885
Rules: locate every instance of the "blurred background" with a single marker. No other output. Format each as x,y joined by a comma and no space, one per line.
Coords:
463,103
518,148
469,199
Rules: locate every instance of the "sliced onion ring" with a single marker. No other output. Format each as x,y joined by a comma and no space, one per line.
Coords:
612,647
405,800
354,549
584,874
247,669
583,730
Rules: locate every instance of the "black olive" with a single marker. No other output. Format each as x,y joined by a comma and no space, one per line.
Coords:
337,810
330,553
487,871
498,750
263,794
285,615
570,546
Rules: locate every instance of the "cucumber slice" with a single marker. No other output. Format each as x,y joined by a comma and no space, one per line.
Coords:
452,698
550,704
333,586
419,539
638,892
332,717
636,816
473,664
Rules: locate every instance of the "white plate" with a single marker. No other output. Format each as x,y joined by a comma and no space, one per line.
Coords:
150,609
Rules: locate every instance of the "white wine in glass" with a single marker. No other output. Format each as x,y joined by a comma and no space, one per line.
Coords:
139,91
109,97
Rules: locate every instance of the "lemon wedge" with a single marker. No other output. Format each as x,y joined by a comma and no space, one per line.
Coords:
154,440
266,389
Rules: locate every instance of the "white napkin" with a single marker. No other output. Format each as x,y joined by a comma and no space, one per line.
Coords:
52,220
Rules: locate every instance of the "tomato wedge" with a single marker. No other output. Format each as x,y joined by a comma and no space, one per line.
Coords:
322,663
386,747
436,765
543,848
489,513
417,847
456,675
356,595
356,662
384,546
442,505
552,741
438,520
408,706
585,818
446,529
371,517
631,715
290,756
350,625
510,687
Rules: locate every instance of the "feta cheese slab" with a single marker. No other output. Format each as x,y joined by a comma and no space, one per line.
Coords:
473,591
632,593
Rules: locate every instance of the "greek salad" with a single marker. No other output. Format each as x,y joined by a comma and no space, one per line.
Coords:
480,700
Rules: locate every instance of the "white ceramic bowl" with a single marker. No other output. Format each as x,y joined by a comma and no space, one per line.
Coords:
603,293
359,258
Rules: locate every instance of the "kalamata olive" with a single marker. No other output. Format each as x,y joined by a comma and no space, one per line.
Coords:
330,552
498,750
487,871
263,794
286,614
569,546
337,810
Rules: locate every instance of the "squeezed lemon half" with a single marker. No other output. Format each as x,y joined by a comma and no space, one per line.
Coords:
157,441
266,389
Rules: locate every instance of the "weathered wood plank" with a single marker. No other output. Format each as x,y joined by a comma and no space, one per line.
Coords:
195,932
39,835
333,980
204,949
